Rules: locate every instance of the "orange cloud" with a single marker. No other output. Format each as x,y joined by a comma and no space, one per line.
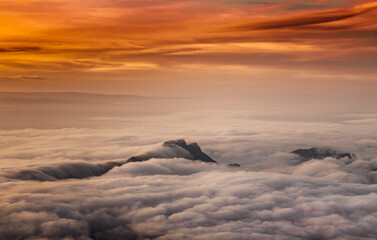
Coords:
113,39
309,18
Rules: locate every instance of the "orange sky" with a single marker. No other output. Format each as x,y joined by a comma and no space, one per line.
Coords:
159,47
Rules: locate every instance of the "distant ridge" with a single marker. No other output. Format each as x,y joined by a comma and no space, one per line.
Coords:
65,94
86,94
320,153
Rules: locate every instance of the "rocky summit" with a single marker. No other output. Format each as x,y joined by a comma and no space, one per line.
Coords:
320,153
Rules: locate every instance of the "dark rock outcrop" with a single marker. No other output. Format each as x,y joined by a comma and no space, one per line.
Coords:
234,165
193,148
320,153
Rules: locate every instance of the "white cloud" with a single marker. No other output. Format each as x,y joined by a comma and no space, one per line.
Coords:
271,196
177,198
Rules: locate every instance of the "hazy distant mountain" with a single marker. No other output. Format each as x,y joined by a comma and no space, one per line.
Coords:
41,110
63,97
320,153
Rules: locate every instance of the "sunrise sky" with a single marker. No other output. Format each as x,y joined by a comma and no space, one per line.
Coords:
280,94
187,47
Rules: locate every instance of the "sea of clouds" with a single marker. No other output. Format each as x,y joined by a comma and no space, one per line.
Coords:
182,199
88,193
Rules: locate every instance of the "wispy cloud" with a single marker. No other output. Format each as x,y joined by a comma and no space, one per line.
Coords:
308,18
64,39
22,78
20,49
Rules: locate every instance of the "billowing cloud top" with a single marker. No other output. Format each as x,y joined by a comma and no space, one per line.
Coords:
190,200
170,196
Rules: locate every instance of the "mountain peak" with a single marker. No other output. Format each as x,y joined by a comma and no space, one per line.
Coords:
320,153
193,148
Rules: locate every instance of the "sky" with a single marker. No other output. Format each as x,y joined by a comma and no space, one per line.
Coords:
226,48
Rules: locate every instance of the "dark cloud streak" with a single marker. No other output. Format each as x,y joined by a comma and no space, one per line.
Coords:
20,49
325,16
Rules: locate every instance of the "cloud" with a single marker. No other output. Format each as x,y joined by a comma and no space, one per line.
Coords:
176,198
324,16
173,36
22,78
20,49
271,196
63,171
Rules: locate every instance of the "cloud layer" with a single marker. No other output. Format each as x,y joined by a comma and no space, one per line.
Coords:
271,196
176,198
